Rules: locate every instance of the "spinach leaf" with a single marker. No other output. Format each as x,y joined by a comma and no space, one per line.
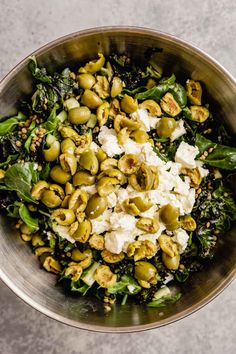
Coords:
8,160
31,222
20,178
39,73
127,285
156,93
222,156
76,286
52,122
164,301
7,126
168,80
29,139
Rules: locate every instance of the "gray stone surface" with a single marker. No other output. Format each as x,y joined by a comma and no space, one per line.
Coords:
26,25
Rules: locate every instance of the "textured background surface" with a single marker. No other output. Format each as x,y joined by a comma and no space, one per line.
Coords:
26,25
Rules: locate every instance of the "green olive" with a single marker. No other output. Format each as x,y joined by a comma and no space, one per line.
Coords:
168,245
37,240
121,121
68,132
109,257
129,104
83,231
96,206
199,113
143,179
101,156
171,263
123,136
114,173
106,185
78,200
103,113
67,146
71,103
152,106
104,276
116,87
74,271
38,189
142,204
91,99
169,216
170,105
59,175
52,153
140,136
79,115
51,199
102,87
86,81
57,189
194,92
83,143
63,217
165,127
89,161
131,208
77,255
65,201
83,178
94,65
128,164
147,224
144,271
50,263
108,163
68,163
188,223
91,123
69,188
39,251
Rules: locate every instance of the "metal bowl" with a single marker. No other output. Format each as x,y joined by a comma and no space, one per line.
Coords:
19,268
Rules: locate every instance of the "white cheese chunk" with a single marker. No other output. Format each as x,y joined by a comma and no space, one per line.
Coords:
111,200
181,238
108,139
89,189
186,155
94,146
102,223
118,241
149,156
122,221
63,232
179,130
149,122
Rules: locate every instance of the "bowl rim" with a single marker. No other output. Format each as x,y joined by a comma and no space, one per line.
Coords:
226,281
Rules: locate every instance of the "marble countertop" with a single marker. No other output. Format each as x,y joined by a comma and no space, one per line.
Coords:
26,25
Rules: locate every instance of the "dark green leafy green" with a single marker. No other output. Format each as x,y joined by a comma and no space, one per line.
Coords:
81,288
164,301
8,160
222,156
31,222
127,285
20,178
8,126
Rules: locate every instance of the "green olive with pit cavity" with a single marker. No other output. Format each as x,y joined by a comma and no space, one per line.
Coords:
129,104
94,65
140,136
165,127
128,164
116,87
38,189
96,206
114,173
79,115
169,216
149,225
53,152
144,271
170,105
63,217
142,204
91,99
171,263
51,199
101,155
68,146
108,163
59,175
83,178
89,161
106,185
143,179
68,163
83,231
86,81
78,200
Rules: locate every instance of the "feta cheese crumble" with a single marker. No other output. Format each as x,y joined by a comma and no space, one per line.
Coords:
186,155
179,130
181,238
108,139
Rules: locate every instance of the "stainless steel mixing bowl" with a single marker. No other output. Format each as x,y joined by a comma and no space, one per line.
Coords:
19,268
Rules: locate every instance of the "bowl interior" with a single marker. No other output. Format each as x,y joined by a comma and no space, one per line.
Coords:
19,267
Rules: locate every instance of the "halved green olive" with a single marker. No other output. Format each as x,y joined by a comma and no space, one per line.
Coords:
83,178
194,92
140,136
166,126
89,161
101,155
77,255
52,153
69,188
96,206
83,143
91,99
170,105
79,115
106,185
199,113
37,240
103,113
169,216
104,276
108,163
121,121
171,263
50,263
144,271
97,242
147,224
128,164
59,175
51,199
109,257
123,136
83,231
116,87
94,65
131,208
78,200
152,106
63,217
129,104
67,146
68,163
113,172
143,179
74,271
86,81
168,245
142,204
188,223
102,87
38,189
